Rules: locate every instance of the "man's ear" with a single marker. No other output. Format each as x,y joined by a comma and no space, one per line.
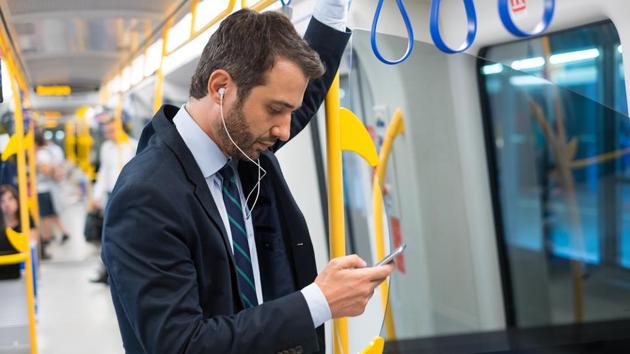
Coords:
219,79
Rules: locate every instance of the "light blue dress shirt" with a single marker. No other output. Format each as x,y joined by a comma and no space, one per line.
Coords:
210,160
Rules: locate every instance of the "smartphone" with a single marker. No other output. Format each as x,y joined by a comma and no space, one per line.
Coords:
390,257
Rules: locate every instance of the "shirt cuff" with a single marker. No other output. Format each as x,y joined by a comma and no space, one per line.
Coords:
332,14
317,304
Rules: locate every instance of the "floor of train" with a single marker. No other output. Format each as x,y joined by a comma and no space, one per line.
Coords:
74,315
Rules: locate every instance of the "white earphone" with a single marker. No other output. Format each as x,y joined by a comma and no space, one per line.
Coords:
221,92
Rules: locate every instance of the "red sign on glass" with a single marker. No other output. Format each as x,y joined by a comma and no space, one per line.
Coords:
397,242
518,5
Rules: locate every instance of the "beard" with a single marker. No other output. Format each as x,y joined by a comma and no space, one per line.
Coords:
239,131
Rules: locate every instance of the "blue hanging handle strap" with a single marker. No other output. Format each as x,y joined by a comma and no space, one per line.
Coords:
506,18
434,26
285,3
405,17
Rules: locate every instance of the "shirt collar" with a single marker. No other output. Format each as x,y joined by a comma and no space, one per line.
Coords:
207,154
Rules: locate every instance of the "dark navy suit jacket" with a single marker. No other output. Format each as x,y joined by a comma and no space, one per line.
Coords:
171,270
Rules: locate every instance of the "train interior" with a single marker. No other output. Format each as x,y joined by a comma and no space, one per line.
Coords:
505,168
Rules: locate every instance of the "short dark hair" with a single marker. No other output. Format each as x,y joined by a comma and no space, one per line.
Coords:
246,45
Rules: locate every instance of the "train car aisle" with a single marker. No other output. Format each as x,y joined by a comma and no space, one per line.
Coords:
74,314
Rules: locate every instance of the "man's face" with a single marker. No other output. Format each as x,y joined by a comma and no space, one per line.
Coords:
264,117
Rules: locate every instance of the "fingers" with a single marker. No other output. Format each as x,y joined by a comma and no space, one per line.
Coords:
351,261
377,274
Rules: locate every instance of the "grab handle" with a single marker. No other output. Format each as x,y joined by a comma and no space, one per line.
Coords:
410,40
508,23
471,27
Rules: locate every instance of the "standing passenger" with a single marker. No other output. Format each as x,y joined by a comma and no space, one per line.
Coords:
46,172
115,152
191,270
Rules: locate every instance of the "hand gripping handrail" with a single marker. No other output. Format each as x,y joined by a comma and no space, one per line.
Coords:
405,17
434,27
508,23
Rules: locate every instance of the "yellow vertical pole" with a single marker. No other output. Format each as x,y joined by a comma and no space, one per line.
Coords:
121,137
396,127
71,141
193,17
159,75
120,133
23,201
79,143
85,144
82,143
32,174
336,219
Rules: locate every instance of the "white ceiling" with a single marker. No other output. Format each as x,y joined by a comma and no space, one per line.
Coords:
78,42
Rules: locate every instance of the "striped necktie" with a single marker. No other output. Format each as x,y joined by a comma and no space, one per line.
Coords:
242,258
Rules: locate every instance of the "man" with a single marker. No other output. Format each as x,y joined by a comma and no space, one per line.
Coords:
48,167
117,149
191,270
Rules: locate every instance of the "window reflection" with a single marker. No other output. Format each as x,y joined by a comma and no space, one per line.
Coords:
557,110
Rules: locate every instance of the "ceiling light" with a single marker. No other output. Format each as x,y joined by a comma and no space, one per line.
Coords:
492,69
529,63
570,57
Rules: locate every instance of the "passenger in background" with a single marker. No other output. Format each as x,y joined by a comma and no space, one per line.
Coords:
11,219
8,168
194,266
115,152
48,165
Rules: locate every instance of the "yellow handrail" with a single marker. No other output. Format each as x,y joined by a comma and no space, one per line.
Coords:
159,74
375,347
84,143
17,239
159,78
23,202
260,5
8,52
32,174
336,228
13,258
195,33
395,128
157,102
71,140
193,17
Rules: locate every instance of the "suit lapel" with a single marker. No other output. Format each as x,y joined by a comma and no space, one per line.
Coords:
165,128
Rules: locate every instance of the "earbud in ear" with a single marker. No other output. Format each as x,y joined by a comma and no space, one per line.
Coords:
222,91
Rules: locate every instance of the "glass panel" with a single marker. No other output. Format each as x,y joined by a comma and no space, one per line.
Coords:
433,291
583,60
558,155
560,175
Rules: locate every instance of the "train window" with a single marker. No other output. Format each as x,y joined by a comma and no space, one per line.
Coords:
558,144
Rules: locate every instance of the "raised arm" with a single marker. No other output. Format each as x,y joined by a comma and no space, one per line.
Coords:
330,44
